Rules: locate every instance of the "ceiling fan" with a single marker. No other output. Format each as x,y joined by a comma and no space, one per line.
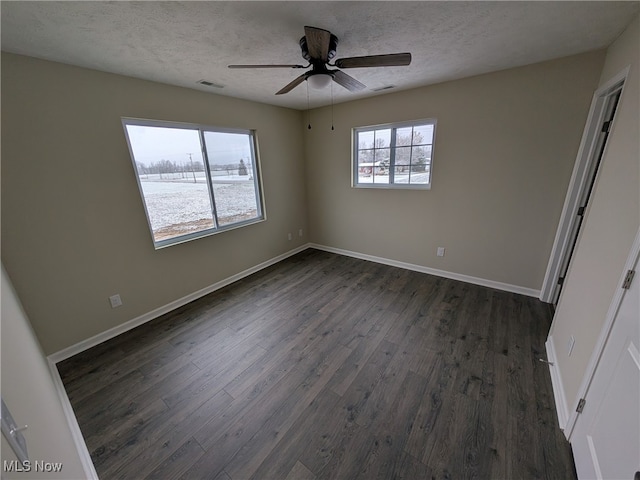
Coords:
318,48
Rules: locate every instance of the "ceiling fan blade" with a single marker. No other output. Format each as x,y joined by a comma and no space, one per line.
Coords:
390,60
291,85
267,66
347,81
318,42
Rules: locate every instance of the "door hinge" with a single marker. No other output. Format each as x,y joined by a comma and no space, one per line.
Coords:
628,279
560,280
581,211
606,126
580,407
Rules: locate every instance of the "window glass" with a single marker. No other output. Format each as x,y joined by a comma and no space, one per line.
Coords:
383,138
423,135
403,136
232,176
366,140
394,155
194,180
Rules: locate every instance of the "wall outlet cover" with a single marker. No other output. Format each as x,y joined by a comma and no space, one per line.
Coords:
115,300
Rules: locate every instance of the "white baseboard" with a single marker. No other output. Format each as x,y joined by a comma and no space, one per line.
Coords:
53,359
530,292
135,322
558,387
79,347
76,434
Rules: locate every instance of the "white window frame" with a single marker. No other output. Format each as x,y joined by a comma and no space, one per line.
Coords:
393,126
201,129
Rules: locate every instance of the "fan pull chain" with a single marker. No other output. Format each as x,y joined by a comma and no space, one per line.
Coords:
332,107
308,109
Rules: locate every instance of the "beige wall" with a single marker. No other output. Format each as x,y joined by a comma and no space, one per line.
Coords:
610,225
29,392
504,152
74,230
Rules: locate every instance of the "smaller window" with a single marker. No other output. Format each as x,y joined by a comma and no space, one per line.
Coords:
397,155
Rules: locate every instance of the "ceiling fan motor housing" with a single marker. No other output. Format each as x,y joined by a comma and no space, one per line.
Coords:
333,45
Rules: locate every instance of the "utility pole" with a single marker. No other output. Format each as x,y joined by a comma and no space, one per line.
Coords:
193,170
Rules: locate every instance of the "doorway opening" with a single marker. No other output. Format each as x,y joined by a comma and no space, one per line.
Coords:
592,149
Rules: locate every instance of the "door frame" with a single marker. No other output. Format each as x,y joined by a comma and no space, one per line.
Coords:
596,355
579,182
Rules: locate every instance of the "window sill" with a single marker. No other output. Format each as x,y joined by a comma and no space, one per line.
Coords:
170,242
395,186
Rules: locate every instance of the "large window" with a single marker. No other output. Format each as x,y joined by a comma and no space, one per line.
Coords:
194,180
396,155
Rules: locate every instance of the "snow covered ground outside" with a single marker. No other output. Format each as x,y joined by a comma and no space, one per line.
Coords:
403,178
177,205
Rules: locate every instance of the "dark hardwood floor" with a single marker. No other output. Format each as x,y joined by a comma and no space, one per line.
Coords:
325,366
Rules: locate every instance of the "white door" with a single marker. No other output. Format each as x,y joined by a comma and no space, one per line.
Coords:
606,439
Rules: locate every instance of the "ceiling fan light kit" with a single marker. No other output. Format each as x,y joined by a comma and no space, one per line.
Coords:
318,46
319,81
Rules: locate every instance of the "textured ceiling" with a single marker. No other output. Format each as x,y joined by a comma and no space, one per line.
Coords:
180,43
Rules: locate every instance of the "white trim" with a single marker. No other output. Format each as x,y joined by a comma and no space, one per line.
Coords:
530,292
124,327
562,410
54,358
594,457
79,347
577,184
596,354
135,322
635,354
76,434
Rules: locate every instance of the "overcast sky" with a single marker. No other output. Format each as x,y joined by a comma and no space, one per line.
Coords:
152,144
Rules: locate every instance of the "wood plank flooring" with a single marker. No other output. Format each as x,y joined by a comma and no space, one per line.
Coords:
325,366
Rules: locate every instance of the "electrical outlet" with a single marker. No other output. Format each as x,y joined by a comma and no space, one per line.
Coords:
441,251
290,236
570,343
115,300
300,232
